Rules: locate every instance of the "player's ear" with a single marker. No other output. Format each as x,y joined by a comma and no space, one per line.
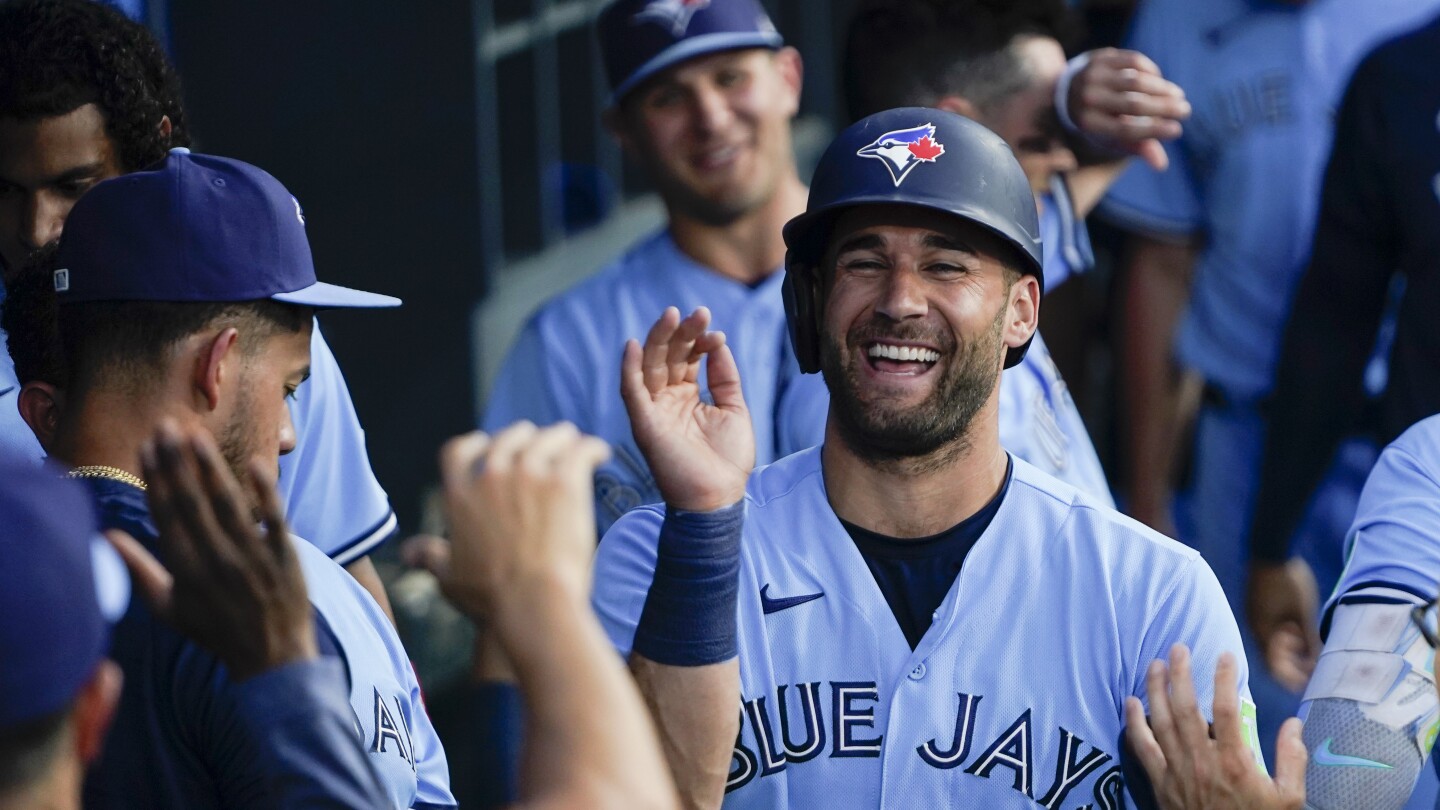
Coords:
958,105
1022,314
95,708
165,128
792,72
614,120
40,406
215,364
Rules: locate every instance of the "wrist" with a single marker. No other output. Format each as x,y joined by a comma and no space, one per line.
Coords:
1062,92
689,616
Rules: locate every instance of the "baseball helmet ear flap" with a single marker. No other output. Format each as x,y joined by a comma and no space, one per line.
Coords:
802,311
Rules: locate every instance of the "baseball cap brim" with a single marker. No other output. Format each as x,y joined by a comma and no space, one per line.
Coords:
693,47
331,296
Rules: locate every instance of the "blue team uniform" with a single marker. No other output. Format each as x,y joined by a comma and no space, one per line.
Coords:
1039,422
179,739
1265,79
1017,687
565,365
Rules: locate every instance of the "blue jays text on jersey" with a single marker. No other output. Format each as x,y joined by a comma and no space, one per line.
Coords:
565,364
178,740
1016,690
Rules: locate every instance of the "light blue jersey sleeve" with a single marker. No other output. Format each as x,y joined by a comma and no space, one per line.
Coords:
1394,541
1160,204
624,569
16,439
330,492
536,383
1195,612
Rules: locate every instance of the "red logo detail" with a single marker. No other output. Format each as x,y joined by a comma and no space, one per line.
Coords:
926,149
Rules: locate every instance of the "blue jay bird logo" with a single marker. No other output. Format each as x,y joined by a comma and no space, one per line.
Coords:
673,13
901,150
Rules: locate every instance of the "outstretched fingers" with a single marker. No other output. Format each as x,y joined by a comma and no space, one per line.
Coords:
1290,761
654,361
683,355
1142,740
723,376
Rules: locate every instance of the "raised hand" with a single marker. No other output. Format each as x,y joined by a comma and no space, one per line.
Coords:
700,454
1189,768
1282,603
1120,100
232,587
521,512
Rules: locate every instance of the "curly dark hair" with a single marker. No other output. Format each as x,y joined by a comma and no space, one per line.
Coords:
59,55
911,53
31,322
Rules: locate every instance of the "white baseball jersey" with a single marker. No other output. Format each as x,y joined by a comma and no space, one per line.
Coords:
1013,698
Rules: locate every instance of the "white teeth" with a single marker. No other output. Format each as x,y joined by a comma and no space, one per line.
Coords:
909,354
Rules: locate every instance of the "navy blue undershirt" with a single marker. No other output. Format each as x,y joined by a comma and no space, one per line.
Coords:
916,573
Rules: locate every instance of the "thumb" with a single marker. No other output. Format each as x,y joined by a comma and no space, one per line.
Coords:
1153,153
150,577
1290,758
429,553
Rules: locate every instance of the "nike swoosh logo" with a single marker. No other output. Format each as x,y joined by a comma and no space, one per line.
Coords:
1324,756
785,602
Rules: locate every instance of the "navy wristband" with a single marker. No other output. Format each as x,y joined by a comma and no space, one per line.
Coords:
689,616
498,717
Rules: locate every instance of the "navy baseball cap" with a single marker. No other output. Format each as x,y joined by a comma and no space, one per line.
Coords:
640,38
62,587
194,228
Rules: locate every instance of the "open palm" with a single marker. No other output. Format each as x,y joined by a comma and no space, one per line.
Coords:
701,454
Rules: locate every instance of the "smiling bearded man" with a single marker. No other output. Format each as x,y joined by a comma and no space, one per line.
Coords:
912,616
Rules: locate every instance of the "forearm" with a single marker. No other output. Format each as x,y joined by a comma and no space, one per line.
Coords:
697,714
589,741
1371,708
363,570
309,751
1157,290
1089,183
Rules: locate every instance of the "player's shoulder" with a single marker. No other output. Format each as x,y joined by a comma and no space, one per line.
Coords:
618,281
775,482
1081,518
1417,450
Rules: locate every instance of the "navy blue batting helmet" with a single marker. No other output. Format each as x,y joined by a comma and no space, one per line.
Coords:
909,156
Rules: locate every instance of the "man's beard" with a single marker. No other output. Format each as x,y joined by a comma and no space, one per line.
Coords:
237,445
881,433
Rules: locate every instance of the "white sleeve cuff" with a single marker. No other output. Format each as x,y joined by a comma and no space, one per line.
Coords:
1062,92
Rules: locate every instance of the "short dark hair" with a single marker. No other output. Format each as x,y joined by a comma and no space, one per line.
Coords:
59,55
912,53
29,320
28,750
127,343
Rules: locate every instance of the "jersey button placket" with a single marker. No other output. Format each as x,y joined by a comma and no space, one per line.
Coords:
918,673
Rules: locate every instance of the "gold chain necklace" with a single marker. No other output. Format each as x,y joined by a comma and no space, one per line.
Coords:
112,473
